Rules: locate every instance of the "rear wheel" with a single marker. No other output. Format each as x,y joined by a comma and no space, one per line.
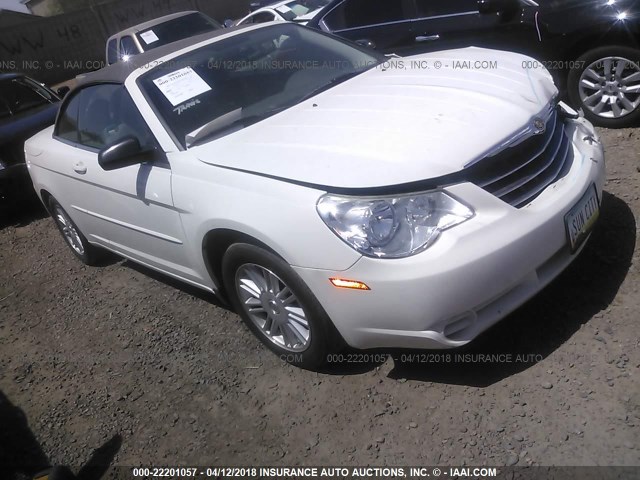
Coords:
72,235
607,87
278,307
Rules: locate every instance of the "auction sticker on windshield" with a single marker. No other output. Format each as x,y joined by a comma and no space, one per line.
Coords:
283,9
149,37
582,217
181,85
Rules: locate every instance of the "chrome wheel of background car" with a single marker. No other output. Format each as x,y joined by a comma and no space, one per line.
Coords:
273,308
610,87
69,231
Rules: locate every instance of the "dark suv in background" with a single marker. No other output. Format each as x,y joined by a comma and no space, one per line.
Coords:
591,47
26,107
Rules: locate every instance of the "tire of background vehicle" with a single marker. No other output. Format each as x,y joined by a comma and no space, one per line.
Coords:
615,85
280,303
75,240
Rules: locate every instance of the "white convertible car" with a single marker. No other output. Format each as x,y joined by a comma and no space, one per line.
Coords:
288,11
331,195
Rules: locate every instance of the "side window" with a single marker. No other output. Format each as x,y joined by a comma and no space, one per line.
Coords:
128,47
22,94
112,51
127,121
362,13
431,8
67,127
95,116
263,17
101,115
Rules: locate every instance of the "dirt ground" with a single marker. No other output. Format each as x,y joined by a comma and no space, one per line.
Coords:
155,373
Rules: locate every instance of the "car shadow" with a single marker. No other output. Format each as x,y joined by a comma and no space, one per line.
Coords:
22,214
29,211
177,284
22,457
547,321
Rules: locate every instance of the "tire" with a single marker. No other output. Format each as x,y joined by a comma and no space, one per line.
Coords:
598,79
75,240
280,304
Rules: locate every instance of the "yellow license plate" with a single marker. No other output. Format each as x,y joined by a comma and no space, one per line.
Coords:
582,218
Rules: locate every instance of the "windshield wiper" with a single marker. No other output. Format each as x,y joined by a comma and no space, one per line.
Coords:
331,83
223,123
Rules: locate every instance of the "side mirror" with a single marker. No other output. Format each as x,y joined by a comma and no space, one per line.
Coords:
62,91
497,6
365,42
228,23
124,153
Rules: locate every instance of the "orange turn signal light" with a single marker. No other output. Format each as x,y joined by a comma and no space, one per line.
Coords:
352,284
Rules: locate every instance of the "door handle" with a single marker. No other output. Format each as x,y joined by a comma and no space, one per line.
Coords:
427,38
80,168
365,42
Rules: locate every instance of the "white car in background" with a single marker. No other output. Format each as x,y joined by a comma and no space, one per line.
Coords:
156,33
344,198
299,11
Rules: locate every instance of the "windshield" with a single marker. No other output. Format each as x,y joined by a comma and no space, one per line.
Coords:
314,4
20,94
299,8
232,83
177,29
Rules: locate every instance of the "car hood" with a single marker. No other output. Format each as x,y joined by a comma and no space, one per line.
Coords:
407,122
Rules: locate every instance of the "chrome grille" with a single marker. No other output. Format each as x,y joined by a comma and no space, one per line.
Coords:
518,174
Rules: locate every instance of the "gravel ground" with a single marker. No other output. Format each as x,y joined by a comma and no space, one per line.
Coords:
120,363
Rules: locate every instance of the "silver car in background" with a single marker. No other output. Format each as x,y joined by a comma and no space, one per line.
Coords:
157,32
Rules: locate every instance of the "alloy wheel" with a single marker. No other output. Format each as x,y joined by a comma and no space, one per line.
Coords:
273,307
69,231
610,87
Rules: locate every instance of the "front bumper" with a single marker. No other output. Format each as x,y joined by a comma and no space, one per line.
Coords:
474,275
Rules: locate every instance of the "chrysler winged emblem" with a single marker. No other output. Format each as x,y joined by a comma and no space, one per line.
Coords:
539,125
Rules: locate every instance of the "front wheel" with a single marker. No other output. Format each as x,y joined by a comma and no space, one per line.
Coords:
278,307
607,86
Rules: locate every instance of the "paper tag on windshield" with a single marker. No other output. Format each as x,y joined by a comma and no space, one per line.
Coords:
149,37
181,85
283,9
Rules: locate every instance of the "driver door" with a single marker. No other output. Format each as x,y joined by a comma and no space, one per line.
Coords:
130,209
443,25
385,24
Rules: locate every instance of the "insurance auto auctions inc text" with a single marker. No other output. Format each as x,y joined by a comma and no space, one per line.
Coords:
376,472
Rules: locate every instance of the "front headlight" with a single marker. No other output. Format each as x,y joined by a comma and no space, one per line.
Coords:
392,227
